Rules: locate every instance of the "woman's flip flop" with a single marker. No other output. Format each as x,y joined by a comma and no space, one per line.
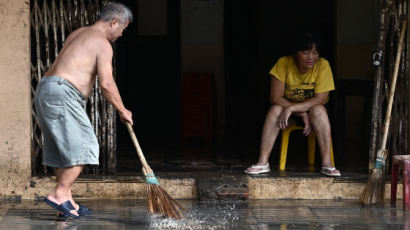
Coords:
258,169
330,171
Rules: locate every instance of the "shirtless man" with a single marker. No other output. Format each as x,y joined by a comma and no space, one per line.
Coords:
69,139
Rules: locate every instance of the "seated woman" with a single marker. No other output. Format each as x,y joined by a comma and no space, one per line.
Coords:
300,86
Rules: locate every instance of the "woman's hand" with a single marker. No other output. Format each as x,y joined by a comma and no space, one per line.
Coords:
283,119
307,129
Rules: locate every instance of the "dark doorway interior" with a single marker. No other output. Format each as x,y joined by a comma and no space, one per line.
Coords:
256,34
148,71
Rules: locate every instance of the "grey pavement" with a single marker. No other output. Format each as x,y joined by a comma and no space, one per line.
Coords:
252,214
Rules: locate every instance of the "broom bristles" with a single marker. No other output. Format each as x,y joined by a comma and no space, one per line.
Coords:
373,193
159,202
374,190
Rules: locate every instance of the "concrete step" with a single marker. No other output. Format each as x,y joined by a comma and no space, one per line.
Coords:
222,187
211,185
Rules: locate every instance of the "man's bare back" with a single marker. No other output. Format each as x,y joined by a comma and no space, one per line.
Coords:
77,60
88,52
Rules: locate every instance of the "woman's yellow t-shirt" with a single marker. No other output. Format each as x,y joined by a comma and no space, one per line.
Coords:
300,87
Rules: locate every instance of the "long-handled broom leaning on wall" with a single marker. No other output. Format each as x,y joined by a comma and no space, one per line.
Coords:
374,190
159,201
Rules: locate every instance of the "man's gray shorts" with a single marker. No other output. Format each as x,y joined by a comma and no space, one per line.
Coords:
69,138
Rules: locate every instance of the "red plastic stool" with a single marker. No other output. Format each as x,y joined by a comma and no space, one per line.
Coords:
403,162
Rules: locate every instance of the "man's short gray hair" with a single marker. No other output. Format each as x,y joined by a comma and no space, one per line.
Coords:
117,10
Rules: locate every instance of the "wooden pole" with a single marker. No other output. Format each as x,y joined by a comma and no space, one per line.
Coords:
377,92
393,84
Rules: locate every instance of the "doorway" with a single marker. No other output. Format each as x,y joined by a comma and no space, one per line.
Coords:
151,66
257,33
148,77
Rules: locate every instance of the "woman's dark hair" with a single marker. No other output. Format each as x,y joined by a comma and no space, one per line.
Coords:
305,41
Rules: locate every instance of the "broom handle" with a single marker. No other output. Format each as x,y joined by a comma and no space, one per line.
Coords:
393,85
146,168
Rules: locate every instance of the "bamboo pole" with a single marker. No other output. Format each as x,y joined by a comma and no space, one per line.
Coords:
407,80
393,86
54,20
377,92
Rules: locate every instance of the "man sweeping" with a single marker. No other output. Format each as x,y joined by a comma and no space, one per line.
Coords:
69,139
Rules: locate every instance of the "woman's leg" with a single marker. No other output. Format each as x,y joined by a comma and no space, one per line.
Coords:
321,126
269,133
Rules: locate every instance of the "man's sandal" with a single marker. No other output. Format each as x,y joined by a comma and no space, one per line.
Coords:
257,169
65,208
82,211
330,171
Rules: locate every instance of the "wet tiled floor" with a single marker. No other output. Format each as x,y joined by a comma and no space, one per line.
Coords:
253,214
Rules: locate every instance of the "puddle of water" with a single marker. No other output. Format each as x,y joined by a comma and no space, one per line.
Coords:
212,215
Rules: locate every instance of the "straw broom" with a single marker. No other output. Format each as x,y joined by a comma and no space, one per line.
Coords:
159,202
374,190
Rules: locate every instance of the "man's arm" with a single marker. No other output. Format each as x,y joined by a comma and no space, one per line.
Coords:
107,83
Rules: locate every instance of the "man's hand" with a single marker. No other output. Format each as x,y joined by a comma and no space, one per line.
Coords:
126,116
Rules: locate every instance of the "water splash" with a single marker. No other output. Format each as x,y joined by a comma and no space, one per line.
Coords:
209,216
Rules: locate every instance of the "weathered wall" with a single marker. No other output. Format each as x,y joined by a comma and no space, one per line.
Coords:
15,123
